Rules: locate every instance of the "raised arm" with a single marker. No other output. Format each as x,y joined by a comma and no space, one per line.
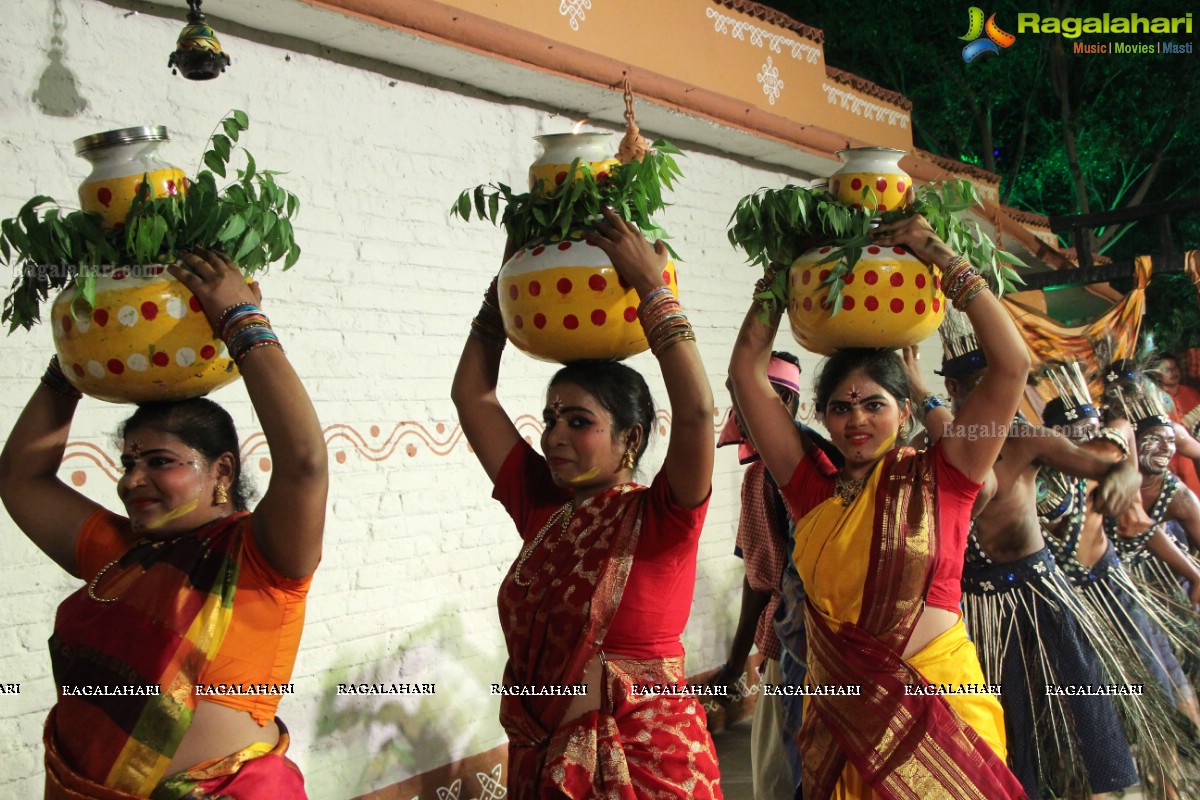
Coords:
689,460
289,521
484,421
760,409
990,407
935,418
46,510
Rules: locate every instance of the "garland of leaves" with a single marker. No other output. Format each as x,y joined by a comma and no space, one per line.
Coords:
634,191
776,226
249,220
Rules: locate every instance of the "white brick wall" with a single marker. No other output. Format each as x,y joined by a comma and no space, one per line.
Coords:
373,318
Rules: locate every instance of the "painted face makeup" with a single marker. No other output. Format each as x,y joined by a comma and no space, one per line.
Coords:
1156,448
863,419
166,486
578,442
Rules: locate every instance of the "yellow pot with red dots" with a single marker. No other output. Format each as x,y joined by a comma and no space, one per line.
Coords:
871,178
112,197
559,150
146,338
563,301
890,300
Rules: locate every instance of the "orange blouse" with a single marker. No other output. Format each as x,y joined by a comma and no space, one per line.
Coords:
268,615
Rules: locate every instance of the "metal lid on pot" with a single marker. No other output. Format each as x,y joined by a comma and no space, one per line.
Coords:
142,133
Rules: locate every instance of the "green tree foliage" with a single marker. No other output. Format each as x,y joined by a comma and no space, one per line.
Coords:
1067,132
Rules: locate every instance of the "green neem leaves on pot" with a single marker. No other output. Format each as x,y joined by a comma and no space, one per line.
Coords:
634,191
249,219
777,226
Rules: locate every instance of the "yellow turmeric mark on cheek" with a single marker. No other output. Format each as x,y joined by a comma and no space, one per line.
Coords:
587,476
174,514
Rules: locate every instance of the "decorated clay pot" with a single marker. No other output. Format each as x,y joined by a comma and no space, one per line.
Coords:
146,338
563,301
560,149
121,160
890,300
870,178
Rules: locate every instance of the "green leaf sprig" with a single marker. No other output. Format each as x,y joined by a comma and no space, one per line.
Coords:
249,219
777,226
634,191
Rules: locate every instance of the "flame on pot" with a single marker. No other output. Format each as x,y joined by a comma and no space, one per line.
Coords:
578,126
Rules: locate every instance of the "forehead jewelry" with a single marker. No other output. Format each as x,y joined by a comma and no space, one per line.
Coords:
854,394
135,448
557,405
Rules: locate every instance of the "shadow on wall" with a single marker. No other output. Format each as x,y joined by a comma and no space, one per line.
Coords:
413,730
57,94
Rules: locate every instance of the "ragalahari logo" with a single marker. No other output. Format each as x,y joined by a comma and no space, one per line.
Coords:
979,46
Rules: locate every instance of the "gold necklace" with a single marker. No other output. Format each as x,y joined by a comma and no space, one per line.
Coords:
91,587
848,489
564,514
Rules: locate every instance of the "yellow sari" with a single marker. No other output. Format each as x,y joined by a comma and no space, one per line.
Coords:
866,568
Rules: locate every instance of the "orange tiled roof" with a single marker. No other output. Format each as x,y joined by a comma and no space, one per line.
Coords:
759,11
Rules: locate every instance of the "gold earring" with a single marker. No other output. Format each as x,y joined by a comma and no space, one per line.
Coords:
220,495
629,460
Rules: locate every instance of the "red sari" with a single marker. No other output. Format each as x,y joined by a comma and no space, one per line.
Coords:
635,745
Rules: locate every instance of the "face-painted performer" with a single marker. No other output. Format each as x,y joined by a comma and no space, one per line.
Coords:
182,591
904,630
602,586
1129,636
1030,629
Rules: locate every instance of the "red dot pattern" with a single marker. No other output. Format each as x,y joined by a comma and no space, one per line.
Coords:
630,314
535,288
100,317
848,303
207,352
194,304
597,283
570,322
539,321
149,310
564,285
871,277
115,366
160,359
871,303
599,317
897,279
897,305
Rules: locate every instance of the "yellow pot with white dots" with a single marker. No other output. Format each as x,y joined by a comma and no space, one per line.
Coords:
871,178
562,300
146,338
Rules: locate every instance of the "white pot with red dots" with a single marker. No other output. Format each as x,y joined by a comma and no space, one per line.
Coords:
890,300
146,338
122,162
563,301
559,150
871,178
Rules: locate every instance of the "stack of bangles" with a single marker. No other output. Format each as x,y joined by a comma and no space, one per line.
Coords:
244,327
56,381
488,325
961,282
663,321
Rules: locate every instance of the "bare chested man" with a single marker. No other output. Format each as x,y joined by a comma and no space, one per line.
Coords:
1022,613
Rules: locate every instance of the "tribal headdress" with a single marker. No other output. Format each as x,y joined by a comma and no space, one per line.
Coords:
1126,377
1066,390
1142,404
961,354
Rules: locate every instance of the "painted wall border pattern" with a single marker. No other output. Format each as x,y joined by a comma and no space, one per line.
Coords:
760,37
864,108
575,11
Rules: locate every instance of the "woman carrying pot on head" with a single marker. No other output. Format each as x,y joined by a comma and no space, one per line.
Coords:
879,546
602,586
191,605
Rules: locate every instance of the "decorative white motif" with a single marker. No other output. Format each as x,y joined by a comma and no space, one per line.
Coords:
864,108
769,78
127,316
176,308
451,793
1071,414
185,357
96,368
1040,568
988,586
574,11
493,789
760,37
138,362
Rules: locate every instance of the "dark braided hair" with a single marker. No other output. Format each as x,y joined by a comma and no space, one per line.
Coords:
621,391
202,425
